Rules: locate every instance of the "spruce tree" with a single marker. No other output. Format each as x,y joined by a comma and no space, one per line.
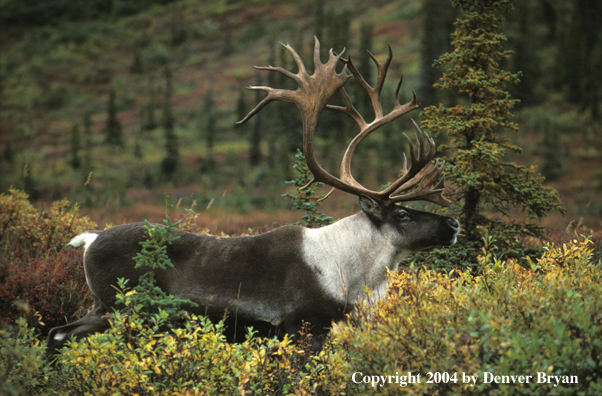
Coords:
366,68
9,154
241,108
208,125
319,19
255,135
475,165
552,167
171,161
273,121
284,138
338,29
147,110
294,139
75,161
87,166
30,185
362,101
113,129
136,66
526,56
137,146
228,47
335,127
580,54
437,26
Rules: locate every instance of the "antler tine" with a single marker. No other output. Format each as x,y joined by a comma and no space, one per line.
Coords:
272,96
417,162
373,92
423,171
317,60
349,109
356,73
297,59
279,69
382,70
430,188
287,73
396,95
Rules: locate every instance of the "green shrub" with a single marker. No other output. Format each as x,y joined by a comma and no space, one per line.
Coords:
146,298
23,370
306,198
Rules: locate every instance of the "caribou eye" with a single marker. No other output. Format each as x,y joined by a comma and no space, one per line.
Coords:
403,215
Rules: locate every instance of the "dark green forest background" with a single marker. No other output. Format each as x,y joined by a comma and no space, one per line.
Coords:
144,95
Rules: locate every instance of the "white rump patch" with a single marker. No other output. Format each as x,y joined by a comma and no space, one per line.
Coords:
85,238
60,336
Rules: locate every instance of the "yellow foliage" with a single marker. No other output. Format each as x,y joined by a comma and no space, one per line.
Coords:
131,358
28,229
508,320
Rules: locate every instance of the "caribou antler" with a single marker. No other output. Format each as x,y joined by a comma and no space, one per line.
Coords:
423,181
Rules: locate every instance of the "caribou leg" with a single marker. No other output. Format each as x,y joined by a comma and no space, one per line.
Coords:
97,320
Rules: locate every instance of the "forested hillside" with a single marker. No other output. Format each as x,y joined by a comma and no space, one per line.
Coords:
145,95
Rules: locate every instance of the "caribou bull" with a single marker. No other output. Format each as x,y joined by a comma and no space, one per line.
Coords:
278,280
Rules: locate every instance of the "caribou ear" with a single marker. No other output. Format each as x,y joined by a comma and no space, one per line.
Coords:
375,210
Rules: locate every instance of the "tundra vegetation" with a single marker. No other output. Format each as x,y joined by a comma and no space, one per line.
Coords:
506,303
507,318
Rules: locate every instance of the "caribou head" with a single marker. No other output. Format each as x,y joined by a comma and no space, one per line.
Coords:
279,280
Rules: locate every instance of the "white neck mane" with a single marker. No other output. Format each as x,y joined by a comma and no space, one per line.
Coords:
349,255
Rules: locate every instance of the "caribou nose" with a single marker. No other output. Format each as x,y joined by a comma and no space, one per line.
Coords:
453,223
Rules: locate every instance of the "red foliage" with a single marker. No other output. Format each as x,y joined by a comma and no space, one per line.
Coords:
54,287
36,275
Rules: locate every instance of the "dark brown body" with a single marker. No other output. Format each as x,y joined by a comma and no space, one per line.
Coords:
273,281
